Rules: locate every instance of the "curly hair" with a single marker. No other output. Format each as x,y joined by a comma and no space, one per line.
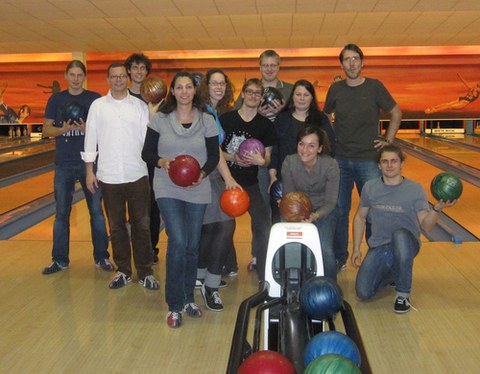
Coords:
226,103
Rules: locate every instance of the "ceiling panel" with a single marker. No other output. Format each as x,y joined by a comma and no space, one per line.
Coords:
120,25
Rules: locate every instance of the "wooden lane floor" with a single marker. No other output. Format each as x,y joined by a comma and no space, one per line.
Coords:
72,322
455,152
466,210
23,192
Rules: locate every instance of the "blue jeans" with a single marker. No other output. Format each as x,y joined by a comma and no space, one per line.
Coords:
325,227
64,187
392,262
183,226
352,172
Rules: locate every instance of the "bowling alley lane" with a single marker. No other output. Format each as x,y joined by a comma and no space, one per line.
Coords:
448,149
23,192
465,212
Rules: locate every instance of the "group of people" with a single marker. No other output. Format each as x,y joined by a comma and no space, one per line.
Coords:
123,150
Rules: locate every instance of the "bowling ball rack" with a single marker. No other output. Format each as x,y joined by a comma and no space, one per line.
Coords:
293,256
290,330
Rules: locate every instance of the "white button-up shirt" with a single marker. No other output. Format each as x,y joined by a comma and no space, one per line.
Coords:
115,131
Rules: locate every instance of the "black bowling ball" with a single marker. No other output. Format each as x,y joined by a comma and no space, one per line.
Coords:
276,190
74,111
270,94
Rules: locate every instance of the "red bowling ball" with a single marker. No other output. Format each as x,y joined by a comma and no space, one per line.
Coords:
184,170
234,202
266,362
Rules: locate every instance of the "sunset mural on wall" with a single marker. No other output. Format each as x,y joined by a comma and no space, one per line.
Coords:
427,83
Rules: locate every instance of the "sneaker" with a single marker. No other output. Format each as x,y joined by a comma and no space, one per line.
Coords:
174,319
252,266
149,282
227,273
192,310
119,280
104,264
402,304
199,284
53,268
341,267
212,300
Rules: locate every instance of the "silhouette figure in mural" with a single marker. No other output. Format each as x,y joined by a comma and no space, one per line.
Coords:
55,87
7,114
471,95
24,112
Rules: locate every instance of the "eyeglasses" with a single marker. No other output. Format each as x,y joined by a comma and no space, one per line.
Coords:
217,84
115,77
269,66
352,59
250,92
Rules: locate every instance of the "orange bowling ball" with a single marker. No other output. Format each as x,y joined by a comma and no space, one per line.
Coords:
234,202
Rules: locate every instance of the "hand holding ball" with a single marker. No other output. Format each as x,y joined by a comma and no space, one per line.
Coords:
153,90
234,202
184,170
446,187
251,146
295,206
74,112
269,95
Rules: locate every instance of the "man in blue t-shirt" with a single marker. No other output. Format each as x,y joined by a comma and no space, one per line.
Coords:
70,168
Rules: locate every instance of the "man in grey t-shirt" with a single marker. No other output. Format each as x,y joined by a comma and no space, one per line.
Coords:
356,102
397,209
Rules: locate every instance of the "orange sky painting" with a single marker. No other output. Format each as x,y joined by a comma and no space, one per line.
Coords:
416,79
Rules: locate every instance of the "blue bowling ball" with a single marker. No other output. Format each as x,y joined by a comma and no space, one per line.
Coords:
276,190
321,298
74,111
331,342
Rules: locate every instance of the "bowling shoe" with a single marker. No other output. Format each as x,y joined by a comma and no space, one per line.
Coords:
53,268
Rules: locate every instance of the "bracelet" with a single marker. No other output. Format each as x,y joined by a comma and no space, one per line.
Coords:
435,210
388,141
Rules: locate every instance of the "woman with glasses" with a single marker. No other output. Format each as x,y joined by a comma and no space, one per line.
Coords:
301,110
181,128
216,93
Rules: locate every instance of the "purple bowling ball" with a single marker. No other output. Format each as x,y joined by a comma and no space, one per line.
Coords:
251,145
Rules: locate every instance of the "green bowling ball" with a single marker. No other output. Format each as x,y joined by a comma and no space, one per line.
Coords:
332,364
446,187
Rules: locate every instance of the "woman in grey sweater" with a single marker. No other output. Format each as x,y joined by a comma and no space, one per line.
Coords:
181,128
315,173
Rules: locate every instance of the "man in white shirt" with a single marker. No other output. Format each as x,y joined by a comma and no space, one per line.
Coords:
115,131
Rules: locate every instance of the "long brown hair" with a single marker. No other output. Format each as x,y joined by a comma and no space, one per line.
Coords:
226,103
